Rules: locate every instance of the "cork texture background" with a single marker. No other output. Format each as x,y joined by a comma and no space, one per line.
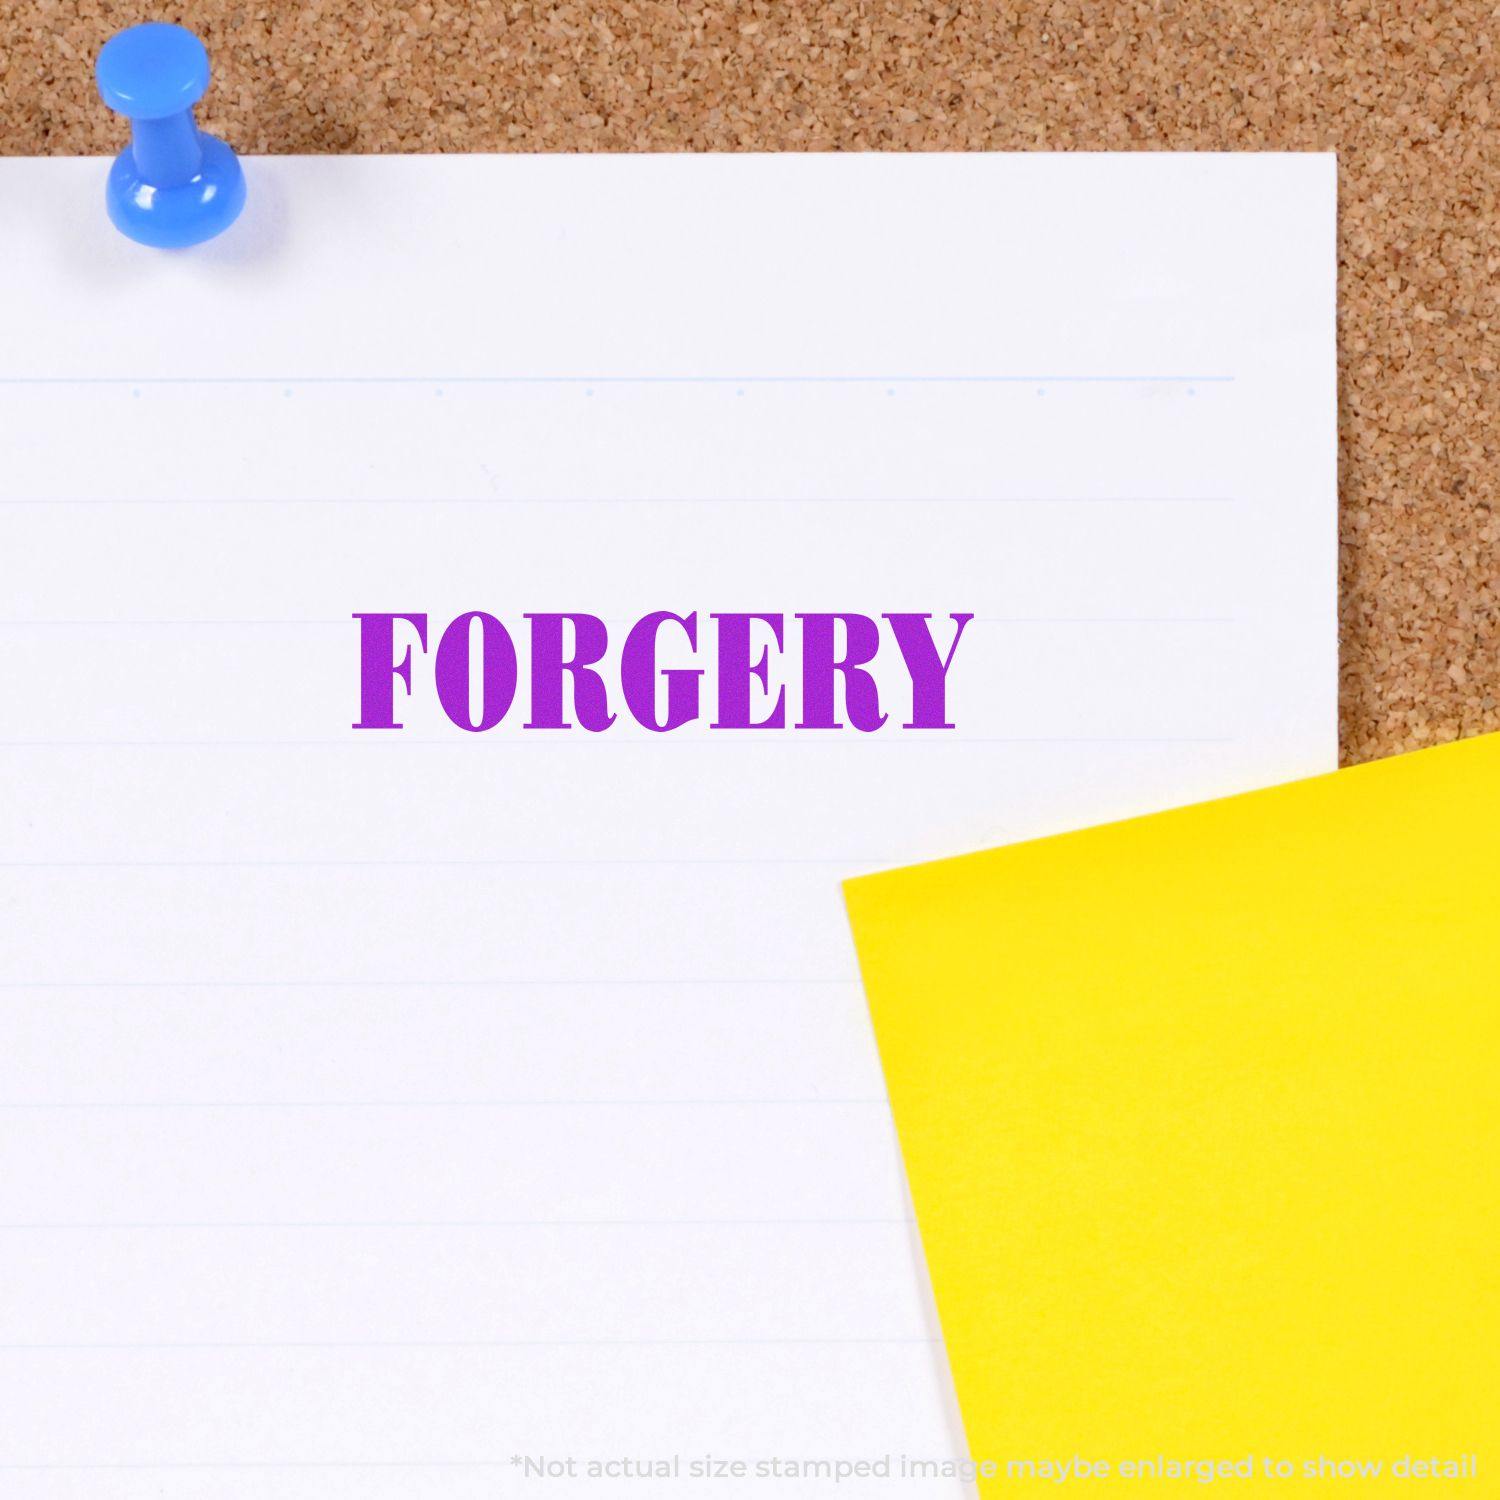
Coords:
1405,92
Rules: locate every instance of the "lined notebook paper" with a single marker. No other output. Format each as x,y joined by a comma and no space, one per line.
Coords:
423,1111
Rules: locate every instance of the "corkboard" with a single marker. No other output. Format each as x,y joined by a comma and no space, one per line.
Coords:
1404,90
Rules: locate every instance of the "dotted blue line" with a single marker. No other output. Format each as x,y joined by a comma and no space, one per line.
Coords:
597,380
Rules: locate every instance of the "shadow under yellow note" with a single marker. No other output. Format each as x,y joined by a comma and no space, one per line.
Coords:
1199,1116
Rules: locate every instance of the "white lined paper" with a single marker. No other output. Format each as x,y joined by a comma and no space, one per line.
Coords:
371,1111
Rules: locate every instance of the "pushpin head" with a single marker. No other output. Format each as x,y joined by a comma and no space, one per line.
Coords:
151,71
172,185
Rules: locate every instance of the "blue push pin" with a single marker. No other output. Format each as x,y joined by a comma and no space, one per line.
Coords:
172,185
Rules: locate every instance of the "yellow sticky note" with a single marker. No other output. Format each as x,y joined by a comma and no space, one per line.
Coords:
1199,1115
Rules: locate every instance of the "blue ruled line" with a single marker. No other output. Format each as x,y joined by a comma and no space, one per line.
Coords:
447,380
